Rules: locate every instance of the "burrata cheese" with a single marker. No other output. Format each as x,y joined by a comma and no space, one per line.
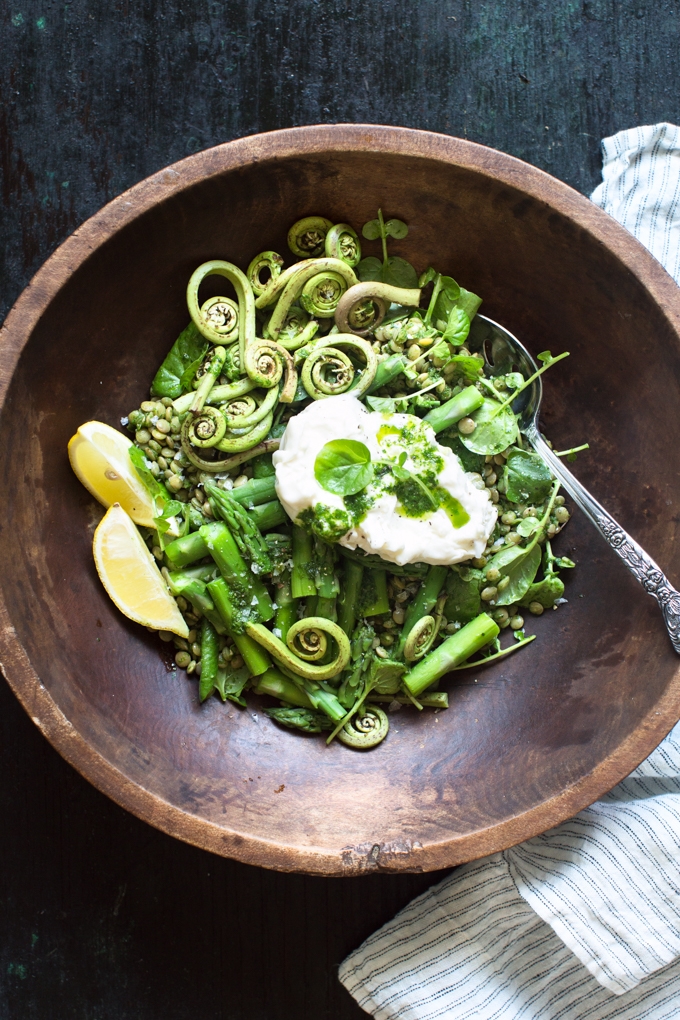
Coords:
380,522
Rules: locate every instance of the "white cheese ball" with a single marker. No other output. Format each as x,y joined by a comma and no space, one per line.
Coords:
385,530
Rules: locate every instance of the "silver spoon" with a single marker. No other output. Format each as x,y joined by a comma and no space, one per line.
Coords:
504,353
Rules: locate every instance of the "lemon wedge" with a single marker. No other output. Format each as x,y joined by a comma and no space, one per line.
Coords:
130,576
100,458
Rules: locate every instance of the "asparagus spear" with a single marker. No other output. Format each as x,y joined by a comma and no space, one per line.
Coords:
224,551
464,403
268,515
255,657
186,550
301,582
243,529
209,657
456,649
255,492
349,597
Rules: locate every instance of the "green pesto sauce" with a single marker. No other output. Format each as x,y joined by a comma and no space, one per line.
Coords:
452,507
329,523
358,506
413,501
388,430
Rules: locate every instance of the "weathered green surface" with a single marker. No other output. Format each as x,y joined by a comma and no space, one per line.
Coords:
102,917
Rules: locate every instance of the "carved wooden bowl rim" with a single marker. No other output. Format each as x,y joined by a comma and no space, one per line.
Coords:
53,275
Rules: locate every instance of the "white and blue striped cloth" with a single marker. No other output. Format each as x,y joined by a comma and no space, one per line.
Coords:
583,922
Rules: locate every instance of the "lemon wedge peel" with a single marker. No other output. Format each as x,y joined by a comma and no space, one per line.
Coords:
100,458
130,575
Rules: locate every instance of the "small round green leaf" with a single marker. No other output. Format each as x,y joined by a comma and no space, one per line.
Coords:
343,467
396,229
371,230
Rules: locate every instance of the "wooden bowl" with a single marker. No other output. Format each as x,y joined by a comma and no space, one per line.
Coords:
526,743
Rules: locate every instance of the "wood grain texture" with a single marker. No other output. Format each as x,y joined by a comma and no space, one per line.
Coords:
508,759
103,916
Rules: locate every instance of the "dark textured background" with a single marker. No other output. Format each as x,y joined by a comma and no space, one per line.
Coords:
102,917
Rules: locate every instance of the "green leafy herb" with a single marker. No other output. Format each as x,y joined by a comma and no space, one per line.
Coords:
457,327
527,526
545,592
343,467
469,302
496,429
393,270
527,477
229,684
184,357
521,570
156,489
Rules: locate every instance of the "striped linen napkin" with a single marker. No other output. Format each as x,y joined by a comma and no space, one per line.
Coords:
583,922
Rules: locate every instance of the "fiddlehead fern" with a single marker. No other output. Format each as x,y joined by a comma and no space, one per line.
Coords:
328,370
266,261
239,439
321,294
205,429
307,236
297,330
228,463
342,242
220,315
244,412
302,643
266,362
304,272
244,293
362,308
420,638
368,730
217,395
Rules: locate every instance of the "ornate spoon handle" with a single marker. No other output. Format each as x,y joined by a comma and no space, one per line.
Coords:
641,565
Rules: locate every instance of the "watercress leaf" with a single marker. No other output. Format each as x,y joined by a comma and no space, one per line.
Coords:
513,380
521,573
527,477
371,230
427,277
571,457
369,269
172,508
230,683
527,526
399,273
449,288
545,356
519,635
506,558
343,467
448,297
470,367
545,592
457,326
494,431
396,229
188,348
469,302
156,489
